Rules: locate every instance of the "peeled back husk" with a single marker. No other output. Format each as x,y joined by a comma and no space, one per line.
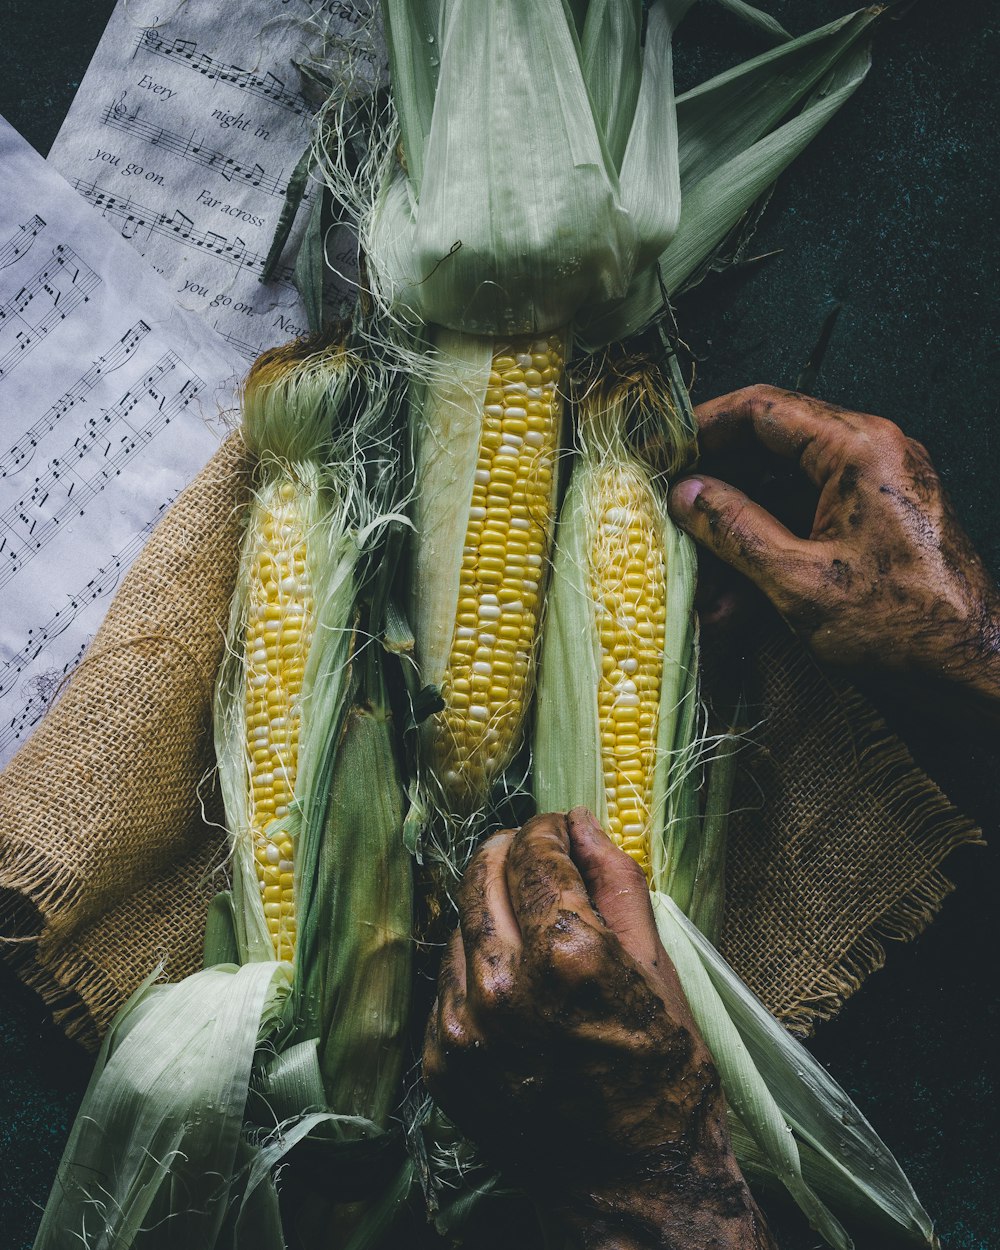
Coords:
782,1097
305,415
357,915
737,132
155,1155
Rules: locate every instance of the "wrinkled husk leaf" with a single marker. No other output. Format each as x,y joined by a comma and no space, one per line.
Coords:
782,1096
361,901
530,196
155,1153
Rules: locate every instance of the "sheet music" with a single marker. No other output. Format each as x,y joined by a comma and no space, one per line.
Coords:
184,133
110,402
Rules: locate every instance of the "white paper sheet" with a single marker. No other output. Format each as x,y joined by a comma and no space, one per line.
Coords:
184,133
110,402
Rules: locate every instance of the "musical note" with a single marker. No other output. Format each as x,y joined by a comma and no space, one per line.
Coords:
179,226
20,245
102,419
59,286
117,354
191,149
184,52
108,439
41,690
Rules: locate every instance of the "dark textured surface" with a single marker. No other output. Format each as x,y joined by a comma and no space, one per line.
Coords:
891,213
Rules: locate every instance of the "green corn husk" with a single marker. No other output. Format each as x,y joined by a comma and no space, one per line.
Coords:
736,133
783,1097
294,400
762,22
154,1154
352,881
203,1088
363,885
545,187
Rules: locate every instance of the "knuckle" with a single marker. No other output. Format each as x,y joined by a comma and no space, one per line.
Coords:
761,396
882,437
454,1033
496,993
575,951
495,985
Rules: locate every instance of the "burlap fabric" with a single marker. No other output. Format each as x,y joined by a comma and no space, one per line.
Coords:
111,843
110,829
836,839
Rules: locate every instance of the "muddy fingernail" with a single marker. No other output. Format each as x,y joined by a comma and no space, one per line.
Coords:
585,818
684,494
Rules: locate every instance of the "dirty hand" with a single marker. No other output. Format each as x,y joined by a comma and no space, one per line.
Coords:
562,1044
885,576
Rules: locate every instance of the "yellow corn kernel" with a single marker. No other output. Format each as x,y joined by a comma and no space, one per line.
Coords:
628,584
278,634
486,687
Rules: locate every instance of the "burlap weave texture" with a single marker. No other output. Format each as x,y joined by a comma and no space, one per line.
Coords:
835,843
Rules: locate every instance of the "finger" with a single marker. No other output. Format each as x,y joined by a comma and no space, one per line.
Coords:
793,426
544,885
446,1030
452,990
491,937
616,885
483,901
742,533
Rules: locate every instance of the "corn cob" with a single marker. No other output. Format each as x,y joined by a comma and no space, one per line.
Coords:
279,630
628,587
617,653
490,615
293,550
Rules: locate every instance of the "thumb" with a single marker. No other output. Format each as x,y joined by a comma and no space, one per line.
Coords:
739,531
616,885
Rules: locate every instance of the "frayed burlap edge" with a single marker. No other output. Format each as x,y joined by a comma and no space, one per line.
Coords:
932,825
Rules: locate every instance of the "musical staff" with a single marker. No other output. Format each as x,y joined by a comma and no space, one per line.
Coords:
111,416
41,690
24,449
192,149
185,52
45,300
110,440
246,350
177,225
100,586
20,245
